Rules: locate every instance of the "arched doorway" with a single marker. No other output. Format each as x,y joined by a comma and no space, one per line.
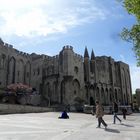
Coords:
92,101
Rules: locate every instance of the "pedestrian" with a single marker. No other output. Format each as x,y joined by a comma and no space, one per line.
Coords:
115,111
124,111
100,114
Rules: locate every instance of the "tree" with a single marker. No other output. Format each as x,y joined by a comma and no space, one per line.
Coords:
133,34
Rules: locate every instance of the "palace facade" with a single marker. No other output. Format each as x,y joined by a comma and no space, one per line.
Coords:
67,78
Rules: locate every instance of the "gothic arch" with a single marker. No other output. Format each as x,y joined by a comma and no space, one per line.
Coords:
129,85
102,96
116,95
76,87
55,91
27,72
11,70
106,96
97,93
92,95
92,101
123,77
20,71
110,96
62,93
2,61
46,93
86,93
120,96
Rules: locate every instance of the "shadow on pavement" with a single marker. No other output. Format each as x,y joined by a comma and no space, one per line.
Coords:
127,125
112,130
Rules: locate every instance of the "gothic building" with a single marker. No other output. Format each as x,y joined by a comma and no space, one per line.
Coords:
67,78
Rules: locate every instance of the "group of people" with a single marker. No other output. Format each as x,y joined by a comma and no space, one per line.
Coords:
100,114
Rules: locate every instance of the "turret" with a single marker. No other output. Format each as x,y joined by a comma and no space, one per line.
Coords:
86,53
93,67
86,66
66,60
92,63
92,55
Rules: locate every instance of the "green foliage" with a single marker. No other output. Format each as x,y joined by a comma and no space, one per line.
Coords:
133,7
133,34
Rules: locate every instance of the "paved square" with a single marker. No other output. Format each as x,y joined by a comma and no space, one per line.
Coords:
47,126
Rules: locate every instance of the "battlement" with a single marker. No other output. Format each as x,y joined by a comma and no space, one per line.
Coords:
21,53
12,49
8,45
51,58
68,47
78,56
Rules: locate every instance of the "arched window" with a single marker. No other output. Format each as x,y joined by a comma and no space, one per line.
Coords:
76,69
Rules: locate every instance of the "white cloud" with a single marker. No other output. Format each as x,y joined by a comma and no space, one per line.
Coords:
135,77
43,17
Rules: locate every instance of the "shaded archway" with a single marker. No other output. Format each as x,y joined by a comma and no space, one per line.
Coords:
116,95
92,95
106,97
97,93
55,92
20,71
92,101
110,96
62,93
76,87
2,61
11,70
27,73
86,93
102,96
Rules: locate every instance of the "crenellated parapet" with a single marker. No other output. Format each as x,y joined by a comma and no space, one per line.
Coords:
68,47
8,45
12,50
78,57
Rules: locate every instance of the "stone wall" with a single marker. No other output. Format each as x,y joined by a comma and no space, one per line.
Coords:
11,108
68,78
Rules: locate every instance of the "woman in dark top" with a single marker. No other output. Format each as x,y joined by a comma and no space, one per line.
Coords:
115,109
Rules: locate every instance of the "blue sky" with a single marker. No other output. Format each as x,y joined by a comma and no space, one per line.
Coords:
45,26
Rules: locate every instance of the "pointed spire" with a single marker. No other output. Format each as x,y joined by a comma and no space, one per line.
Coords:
86,53
92,55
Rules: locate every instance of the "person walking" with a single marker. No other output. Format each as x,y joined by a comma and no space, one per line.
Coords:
124,111
100,114
115,109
